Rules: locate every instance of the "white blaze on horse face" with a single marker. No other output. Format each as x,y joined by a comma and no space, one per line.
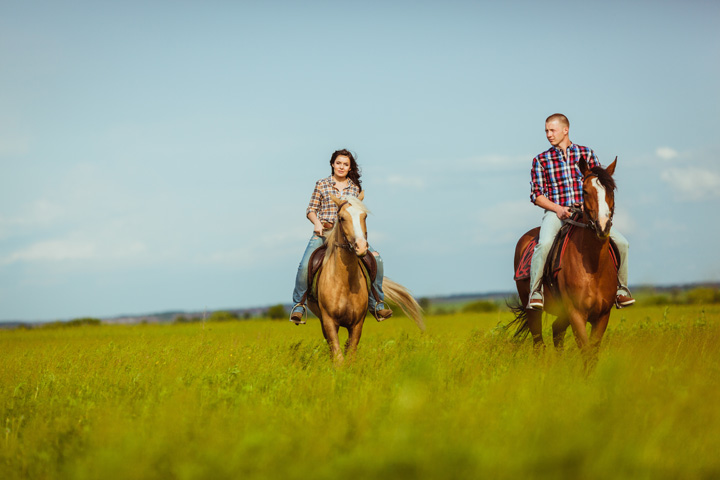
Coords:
603,207
360,242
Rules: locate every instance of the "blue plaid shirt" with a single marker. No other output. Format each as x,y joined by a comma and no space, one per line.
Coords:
559,178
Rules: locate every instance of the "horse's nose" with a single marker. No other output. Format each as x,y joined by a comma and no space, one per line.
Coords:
603,228
604,223
361,247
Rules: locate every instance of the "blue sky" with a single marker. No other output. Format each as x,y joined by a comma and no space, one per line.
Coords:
160,155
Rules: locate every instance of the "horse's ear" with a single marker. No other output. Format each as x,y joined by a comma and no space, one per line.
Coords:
336,200
611,168
361,197
583,166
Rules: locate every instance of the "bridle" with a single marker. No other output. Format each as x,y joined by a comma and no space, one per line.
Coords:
577,209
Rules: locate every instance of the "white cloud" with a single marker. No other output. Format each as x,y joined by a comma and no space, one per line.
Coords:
624,222
692,183
492,163
15,145
39,214
102,246
505,222
53,250
405,181
260,250
666,153
452,168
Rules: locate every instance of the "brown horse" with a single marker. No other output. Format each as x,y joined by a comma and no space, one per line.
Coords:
342,289
586,285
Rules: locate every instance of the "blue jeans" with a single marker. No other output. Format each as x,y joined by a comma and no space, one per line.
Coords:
549,229
301,284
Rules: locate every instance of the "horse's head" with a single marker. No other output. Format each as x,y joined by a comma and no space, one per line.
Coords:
351,220
599,196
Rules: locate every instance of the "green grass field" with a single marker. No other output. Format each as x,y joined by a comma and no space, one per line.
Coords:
261,399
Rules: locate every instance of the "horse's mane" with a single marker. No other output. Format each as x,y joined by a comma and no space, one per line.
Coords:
606,180
333,237
356,202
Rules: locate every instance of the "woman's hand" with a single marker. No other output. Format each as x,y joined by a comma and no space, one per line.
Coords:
317,224
317,228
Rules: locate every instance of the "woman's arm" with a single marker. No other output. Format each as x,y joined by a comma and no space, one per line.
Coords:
318,228
313,207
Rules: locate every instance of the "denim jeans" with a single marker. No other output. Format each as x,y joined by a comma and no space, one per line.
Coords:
549,229
301,284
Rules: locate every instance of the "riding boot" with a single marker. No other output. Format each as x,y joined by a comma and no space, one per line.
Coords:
624,298
536,301
301,281
380,312
378,309
299,312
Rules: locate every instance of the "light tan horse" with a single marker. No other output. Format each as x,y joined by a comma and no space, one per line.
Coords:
342,289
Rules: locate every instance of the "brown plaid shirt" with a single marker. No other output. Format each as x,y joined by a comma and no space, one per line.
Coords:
322,204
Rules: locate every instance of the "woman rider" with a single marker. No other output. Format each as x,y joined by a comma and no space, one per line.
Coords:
322,211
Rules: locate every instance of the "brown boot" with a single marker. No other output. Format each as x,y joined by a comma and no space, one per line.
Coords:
623,301
382,314
536,302
298,317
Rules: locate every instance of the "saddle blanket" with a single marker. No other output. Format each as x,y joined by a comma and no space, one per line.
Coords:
522,272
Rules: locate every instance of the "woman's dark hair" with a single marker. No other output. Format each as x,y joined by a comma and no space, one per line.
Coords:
354,173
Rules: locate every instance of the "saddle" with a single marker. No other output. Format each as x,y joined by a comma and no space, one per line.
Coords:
553,263
368,265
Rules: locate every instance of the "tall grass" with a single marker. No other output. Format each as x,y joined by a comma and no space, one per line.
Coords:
261,399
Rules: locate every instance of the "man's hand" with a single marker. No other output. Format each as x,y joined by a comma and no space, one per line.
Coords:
563,213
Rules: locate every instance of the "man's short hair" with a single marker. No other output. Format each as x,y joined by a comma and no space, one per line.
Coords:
560,118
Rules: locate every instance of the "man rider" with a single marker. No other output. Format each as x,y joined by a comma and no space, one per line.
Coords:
556,184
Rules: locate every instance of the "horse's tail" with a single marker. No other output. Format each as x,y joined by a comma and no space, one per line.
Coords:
402,297
521,319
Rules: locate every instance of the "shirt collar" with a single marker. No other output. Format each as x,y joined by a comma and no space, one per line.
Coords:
571,147
332,181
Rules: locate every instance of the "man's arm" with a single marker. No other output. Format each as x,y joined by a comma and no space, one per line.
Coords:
545,203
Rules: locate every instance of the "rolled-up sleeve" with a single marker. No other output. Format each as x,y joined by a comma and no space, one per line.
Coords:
315,200
593,160
537,181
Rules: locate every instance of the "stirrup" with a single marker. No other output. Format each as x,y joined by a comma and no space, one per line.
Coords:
303,316
374,312
537,304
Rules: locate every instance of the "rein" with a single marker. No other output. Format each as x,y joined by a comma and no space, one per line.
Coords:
577,210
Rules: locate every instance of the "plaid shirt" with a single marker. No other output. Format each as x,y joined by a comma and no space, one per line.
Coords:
322,204
558,178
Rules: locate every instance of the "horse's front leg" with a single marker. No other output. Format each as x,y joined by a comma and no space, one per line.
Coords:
354,334
534,323
598,330
330,330
578,322
589,346
596,335
559,328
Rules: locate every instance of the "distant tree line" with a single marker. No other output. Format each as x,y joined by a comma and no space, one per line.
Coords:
694,296
276,312
78,322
